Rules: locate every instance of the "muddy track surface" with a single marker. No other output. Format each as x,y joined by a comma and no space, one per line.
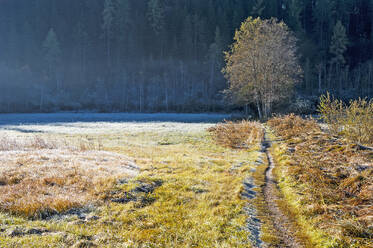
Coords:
282,225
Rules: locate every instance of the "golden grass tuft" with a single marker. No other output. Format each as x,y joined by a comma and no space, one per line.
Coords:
293,126
239,135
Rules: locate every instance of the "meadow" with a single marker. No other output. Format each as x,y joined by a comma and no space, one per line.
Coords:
71,180
123,183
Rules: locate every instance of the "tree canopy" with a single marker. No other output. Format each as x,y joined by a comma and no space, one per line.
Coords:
262,66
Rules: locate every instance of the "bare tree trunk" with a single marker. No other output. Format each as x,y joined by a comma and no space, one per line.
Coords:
166,98
259,109
57,82
140,100
211,82
370,79
267,109
325,74
339,73
166,91
108,51
41,98
124,95
330,76
359,81
319,69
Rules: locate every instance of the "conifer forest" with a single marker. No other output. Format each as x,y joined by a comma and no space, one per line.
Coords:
166,55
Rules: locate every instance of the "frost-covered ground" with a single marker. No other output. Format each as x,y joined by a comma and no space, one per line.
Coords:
88,123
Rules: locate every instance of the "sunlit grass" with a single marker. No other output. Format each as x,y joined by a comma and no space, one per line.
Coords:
198,204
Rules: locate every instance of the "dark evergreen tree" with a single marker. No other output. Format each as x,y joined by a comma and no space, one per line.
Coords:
108,28
52,56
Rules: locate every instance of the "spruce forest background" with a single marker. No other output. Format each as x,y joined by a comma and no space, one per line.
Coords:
167,55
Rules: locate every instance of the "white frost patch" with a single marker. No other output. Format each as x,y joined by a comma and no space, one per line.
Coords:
105,127
87,123
45,163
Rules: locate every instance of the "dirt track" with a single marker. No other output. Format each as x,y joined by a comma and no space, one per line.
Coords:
281,222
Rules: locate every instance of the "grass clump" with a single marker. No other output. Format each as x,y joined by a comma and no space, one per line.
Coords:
40,183
293,126
354,121
327,181
239,135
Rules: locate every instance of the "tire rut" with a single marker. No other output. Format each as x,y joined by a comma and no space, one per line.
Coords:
281,222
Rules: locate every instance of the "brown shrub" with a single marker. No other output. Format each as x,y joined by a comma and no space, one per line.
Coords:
292,125
238,135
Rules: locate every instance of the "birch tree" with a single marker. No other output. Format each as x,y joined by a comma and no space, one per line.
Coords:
262,66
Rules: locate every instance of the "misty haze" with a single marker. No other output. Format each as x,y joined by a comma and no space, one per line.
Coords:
186,123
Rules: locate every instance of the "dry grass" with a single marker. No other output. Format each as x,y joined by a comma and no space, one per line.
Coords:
198,204
354,121
39,142
293,126
240,135
328,182
37,180
32,142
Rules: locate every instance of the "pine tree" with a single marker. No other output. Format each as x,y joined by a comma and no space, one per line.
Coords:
108,27
238,15
258,8
212,13
216,50
81,45
187,37
323,18
123,25
123,18
294,9
338,47
216,60
338,44
156,16
52,55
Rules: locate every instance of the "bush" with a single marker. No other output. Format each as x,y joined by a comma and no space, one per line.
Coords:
353,121
292,125
237,135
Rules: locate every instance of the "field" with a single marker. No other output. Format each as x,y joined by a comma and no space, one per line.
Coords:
92,182
173,180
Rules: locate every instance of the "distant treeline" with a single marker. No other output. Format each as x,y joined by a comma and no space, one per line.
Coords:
166,55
